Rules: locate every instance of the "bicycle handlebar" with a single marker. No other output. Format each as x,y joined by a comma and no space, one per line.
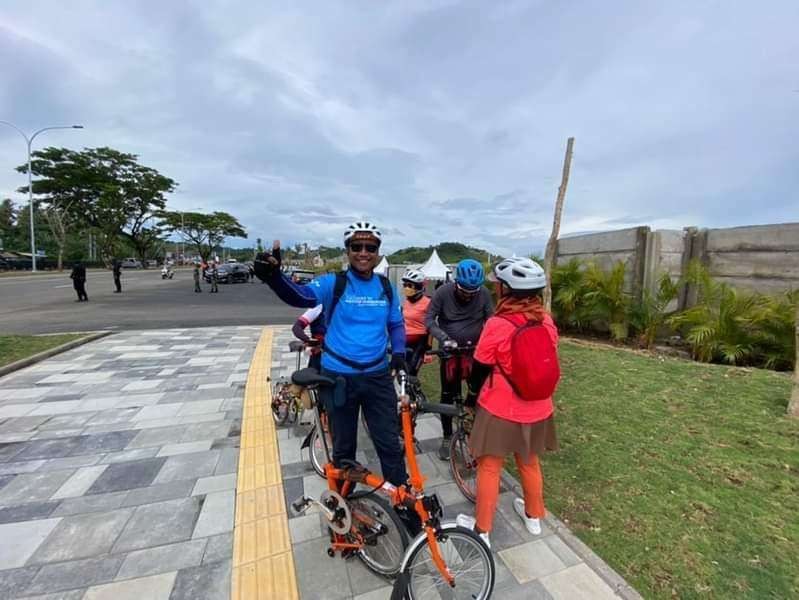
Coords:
450,352
448,410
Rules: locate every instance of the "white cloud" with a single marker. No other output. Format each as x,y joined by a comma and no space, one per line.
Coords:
442,121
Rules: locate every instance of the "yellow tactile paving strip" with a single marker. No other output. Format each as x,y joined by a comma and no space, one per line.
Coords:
263,566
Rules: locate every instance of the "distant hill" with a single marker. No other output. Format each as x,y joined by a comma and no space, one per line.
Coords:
450,252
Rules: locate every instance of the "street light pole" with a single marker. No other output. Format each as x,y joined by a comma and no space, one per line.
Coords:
29,141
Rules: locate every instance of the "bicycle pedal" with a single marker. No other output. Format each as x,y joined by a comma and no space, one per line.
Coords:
301,504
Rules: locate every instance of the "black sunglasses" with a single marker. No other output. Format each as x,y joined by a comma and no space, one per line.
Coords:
408,284
370,248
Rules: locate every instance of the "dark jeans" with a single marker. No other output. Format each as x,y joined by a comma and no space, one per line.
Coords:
118,283
374,394
414,355
315,361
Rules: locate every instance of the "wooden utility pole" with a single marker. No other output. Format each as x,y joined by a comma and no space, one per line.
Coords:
549,256
793,404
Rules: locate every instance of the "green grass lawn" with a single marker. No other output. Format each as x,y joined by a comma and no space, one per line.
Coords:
16,347
684,477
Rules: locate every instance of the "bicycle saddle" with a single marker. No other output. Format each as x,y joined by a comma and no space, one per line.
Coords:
308,377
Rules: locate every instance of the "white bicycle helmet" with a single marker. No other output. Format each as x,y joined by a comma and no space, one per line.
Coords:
414,276
362,227
520,274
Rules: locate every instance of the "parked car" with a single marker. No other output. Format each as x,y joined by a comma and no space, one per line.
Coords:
299,276
130,263
152,263
229,273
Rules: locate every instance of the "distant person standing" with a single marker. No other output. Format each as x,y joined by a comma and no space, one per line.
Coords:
197,278
117,266
78,276
214,279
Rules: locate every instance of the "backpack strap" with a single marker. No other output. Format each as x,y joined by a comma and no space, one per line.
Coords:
338,292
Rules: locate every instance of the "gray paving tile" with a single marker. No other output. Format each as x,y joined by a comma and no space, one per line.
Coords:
114,415
32,487
67,421
188,466
577,583
160,523
14,581
80,481
129,455
532,560
228,461
217,514
20,541
383,593
156,436
562,551
324,581
528,591
185,448
113,441
5,479
69,462
155,587
207,582
362,580
205,431
159,492
27,512
216,483
89,504
305,527
75,574
70,595
162,559
127,475
17,424
49,448
220,547
27,466
82,536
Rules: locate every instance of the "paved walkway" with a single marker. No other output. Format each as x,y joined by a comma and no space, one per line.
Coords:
120,479
118,466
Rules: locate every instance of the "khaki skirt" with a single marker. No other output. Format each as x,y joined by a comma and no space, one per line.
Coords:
494,436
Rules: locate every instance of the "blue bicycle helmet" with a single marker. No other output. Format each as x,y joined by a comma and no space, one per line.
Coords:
469,274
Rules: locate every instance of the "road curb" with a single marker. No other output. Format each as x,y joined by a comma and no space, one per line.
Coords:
611,577
30,360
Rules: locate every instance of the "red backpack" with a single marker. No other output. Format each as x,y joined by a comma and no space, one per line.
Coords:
534,367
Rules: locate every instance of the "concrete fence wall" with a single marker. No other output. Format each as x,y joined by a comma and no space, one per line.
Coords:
764,258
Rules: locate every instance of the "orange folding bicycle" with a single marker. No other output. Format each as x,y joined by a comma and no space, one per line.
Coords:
444,560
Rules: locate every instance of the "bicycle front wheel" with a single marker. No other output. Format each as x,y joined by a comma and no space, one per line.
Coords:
462,465
383,532
467,558
280,402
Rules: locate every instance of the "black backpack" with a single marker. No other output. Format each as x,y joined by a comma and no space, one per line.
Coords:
338,291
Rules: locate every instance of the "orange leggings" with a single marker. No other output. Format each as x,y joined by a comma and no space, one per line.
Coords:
488,472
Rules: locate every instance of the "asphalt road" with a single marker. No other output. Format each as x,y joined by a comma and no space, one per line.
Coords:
46,303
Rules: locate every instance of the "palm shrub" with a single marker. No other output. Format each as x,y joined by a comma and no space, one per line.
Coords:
569,290
606,299
773,323
649,315
719,328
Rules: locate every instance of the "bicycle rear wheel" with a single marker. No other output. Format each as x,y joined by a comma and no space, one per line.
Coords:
467,558
385,535
317,452
462,465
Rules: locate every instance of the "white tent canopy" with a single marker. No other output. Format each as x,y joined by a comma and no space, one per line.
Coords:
434,268
382,268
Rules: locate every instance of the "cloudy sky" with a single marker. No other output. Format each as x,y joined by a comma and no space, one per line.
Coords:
440,120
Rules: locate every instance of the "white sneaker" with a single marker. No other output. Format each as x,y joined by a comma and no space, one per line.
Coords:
533,525
469,522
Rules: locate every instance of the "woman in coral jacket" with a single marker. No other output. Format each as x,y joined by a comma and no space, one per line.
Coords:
505,422
414,309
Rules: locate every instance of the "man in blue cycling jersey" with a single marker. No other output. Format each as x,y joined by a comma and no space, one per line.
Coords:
363,314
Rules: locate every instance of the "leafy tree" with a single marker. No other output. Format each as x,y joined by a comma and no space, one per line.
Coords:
102,188
204,231
449,252
569,290
8,224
